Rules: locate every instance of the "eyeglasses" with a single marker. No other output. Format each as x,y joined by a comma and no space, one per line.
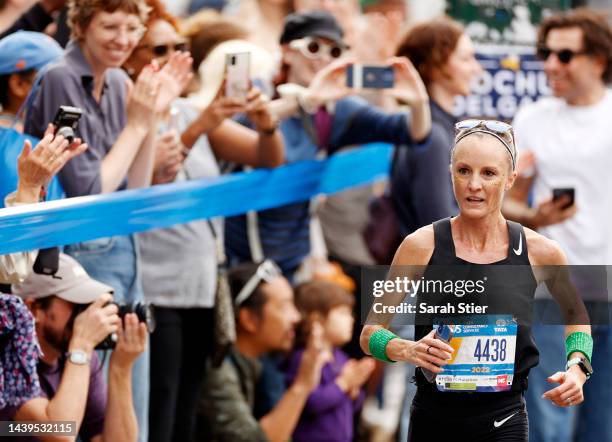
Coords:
113,30
565,56
267,271
312,48
500,130
163,49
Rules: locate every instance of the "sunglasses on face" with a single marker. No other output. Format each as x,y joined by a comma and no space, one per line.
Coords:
500,130
266,272
565,56
163,49
312,48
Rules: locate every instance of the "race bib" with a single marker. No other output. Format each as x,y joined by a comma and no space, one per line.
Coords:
483,360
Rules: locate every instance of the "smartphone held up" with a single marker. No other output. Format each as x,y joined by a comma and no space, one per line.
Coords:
237,80
360,76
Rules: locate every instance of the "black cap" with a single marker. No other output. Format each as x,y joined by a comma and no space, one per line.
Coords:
311,24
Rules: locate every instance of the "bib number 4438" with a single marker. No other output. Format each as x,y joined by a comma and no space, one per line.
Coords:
490,350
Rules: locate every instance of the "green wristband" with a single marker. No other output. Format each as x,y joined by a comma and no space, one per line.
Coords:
579,342
378,344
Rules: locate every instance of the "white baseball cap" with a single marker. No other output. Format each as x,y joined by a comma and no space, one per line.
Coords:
71,283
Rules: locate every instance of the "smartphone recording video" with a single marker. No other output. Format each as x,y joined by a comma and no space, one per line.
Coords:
359,76
237,79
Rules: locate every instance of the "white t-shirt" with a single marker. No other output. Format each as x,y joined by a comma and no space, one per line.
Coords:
573,148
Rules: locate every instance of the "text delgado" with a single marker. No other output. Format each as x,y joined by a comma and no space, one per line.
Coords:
406,285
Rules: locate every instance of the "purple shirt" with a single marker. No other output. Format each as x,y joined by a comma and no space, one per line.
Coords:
328,413
95,408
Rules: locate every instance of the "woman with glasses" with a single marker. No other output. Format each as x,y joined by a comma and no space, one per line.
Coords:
473,388
320,118
118,122
179,263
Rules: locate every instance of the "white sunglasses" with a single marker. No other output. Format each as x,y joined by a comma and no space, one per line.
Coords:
267,271
313,48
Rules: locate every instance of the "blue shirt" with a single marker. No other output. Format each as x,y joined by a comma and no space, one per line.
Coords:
421,188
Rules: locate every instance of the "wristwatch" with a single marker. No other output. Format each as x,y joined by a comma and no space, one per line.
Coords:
583,363
78,357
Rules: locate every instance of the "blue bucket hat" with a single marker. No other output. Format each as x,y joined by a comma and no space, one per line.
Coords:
25,50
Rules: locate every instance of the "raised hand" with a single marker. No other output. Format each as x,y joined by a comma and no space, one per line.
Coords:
219,109
131,341
554,211
258,111
37,166
313,359
174,78
409,87
143,96
94,324
328,85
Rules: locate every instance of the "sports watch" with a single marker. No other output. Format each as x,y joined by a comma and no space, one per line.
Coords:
78,357
583,363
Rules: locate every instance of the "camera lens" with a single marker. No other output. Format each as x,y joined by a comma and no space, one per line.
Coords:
142,310
66,132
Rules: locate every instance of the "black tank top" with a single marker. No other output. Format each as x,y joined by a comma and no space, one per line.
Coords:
510,290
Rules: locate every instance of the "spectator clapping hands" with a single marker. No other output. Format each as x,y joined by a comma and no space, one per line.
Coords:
174,77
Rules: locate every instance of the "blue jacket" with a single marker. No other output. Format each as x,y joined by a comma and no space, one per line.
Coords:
284,231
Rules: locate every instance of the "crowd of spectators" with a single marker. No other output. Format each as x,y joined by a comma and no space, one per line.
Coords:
151,88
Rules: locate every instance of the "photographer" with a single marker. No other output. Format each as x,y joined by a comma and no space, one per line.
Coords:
71,378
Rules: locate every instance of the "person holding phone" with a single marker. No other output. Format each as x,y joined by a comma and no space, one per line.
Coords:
483,169
318,117
118,124
188,146
569,140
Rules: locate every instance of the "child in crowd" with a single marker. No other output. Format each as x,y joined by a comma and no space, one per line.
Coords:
330,408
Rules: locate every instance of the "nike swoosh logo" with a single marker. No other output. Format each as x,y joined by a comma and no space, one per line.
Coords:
520,247
503,421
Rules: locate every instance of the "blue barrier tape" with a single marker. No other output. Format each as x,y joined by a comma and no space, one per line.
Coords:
74,220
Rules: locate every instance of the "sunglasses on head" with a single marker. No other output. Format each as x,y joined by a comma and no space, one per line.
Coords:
163,49
266,272
565,56
500,130
313,48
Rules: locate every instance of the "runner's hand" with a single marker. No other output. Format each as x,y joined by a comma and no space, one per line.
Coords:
570,391
429,353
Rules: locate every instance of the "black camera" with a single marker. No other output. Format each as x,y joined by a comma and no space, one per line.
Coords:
66,121
143,310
